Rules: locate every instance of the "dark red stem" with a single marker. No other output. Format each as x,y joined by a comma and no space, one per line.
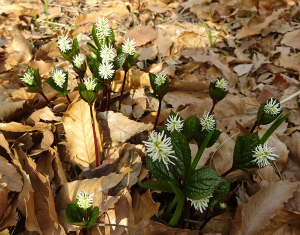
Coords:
104,100
95,137
108,97
253,127
68,98
157,116
213,107
79,78
45,97
227,172
122,90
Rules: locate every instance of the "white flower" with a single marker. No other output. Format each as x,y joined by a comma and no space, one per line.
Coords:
221,83
263,154
207,122
90,84
160,79
159,147
128,46
78,60
84,200
64,43
59,77
174,123
272,107
200,204
103,29
28,77
106,70
107,53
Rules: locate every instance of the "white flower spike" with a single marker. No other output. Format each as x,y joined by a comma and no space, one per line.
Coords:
160,79
207,122
128,46
90,84
200,204
103,29
159,147
174,123
221,83
106,70
28,78
59,77
64,43
264,154
272,107
107,53
78,60
85,200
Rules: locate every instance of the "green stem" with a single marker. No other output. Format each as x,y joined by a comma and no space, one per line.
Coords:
170,208
201,149
157,115
180,203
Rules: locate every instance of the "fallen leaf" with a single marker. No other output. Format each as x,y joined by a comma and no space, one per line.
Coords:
22,47
10,176
79,133
141,35
123,132
48,51
292,39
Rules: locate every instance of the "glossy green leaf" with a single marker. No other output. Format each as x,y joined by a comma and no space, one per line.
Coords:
264,118
190,127
93,216
217,94
159,170
75,215
160,91
220,192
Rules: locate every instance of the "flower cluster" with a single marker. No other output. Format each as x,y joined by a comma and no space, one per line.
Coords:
28,77
84,200
128,46
90,84
160,79
159,147
103,29
107,53
106,70
78,60
221,83
207,122
264,154
174,123
272,107
64,43
59,77
200,204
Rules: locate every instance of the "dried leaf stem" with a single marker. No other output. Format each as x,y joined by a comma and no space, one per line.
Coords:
95,137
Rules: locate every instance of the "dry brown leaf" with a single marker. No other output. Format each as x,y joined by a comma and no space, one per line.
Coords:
163,43
264,205
141,35
120,127
255,27
148,53
3,199
58,168
7,106
42,114
10,176
143,206
219,224
292,39
22,47
48,51
18,127
79,133
208,58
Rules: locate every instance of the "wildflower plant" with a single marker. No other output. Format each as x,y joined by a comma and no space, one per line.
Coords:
82,212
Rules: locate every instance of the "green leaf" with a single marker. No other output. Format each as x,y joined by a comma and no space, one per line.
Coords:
75,46
273,127
119,60
159,170
220,192
160,91
34,89
87,96
182,154
94,215
243,150
64,93
180,203
75,215
264,118
217,94
92,47
161,185
201,183
111,39
190,127
200,137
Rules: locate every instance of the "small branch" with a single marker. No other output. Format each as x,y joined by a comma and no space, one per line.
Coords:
68,98
213,107
45,97
122,90
95,137
158,112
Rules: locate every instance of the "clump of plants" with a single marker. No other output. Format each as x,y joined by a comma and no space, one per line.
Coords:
169,156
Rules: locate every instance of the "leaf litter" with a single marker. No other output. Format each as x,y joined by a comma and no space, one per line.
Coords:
47,158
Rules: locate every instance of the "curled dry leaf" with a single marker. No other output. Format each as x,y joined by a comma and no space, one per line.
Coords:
18,127
79,133
120,127
264,205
